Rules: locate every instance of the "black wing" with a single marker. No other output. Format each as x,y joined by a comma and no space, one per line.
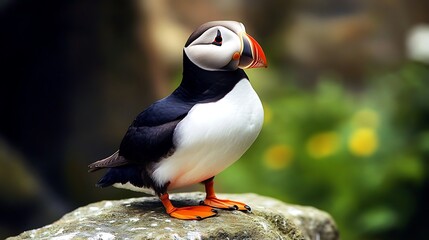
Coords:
150,136
142,144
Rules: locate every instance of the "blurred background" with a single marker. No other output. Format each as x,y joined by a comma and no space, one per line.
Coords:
346,99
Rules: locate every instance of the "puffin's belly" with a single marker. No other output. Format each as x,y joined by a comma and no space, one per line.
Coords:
211,137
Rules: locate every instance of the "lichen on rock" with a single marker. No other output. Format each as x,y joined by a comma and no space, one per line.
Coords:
145,218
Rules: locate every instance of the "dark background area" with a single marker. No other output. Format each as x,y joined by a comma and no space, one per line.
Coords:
345,96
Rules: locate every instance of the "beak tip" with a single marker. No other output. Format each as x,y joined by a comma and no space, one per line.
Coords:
261,65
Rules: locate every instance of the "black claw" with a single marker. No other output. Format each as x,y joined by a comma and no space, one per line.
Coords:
248,208
214,210
199,218
201,202
235,207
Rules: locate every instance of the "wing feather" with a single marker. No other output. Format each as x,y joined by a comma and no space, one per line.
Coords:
112,161
144,144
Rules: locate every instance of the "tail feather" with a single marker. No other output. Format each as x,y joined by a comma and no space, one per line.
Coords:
122,175
113,161
107,180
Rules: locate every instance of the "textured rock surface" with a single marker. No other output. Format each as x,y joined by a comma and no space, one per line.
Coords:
144,218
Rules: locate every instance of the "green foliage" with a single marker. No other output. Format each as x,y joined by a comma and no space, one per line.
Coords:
358,155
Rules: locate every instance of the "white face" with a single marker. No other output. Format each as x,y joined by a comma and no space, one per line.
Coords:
216,49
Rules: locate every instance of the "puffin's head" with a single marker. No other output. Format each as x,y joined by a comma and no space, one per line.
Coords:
224,45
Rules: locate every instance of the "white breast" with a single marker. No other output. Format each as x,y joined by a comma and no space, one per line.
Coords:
211,137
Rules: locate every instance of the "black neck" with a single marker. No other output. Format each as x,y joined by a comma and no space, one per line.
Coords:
199,85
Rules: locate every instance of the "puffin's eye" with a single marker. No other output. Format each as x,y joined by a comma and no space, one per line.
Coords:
218,39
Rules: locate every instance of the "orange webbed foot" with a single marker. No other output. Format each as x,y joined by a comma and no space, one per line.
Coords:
226,204
193,212
213,201
187,213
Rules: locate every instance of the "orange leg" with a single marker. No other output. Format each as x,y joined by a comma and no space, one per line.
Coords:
186,213
213,201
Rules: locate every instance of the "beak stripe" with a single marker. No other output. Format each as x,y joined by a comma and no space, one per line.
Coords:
252,55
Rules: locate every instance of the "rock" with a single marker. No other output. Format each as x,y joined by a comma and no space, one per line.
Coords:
145,218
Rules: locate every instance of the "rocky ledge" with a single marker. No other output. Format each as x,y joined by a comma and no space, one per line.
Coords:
144,218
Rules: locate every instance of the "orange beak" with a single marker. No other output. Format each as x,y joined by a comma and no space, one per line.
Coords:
252,55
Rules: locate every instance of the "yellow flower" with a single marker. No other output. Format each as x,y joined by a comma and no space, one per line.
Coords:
322,144
363,142
366,118
278,156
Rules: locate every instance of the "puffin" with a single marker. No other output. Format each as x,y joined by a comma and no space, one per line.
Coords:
206,124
